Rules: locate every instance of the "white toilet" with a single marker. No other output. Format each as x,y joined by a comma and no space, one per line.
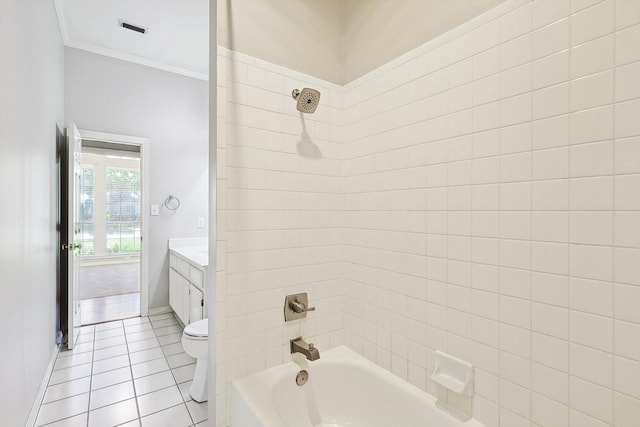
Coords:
195,341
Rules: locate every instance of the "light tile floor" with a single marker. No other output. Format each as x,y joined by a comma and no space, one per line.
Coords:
131,372
105,309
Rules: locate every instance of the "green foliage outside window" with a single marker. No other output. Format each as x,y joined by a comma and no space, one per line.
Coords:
123,210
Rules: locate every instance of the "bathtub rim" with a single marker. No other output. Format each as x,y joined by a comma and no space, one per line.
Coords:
241,388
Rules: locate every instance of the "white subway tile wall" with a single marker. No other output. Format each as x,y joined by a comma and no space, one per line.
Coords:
526,199
479,195
279,203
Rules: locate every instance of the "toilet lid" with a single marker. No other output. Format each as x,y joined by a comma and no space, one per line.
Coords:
198,329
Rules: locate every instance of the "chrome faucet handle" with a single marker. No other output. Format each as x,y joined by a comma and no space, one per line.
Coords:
296,307
300,307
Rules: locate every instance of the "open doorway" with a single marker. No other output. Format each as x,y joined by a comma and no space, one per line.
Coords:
111,231
111,222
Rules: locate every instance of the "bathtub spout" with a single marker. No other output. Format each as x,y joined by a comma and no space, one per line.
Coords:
298,345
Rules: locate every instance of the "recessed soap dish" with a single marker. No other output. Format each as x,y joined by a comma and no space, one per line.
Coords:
453,373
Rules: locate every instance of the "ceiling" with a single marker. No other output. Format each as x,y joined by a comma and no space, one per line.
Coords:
177,40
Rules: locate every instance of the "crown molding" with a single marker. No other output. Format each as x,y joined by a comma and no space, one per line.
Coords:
136,59
62,23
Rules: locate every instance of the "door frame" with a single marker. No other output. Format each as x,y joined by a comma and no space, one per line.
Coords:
143,143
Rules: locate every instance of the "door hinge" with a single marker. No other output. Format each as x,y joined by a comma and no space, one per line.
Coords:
202,303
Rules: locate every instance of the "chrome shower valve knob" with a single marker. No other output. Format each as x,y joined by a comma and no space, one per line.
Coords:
296,307
300,307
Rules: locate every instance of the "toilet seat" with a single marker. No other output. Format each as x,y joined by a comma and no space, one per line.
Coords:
198,329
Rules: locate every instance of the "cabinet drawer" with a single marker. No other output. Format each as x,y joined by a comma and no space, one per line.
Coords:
180,265
196,276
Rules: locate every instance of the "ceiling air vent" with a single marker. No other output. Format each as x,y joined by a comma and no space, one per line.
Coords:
132,27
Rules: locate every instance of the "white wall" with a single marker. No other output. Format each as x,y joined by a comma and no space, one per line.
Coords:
109,95
337,40
31,107
279,232
492,206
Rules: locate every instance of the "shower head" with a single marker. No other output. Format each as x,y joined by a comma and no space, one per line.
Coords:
308,99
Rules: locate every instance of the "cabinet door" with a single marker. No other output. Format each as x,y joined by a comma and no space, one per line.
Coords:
184,300
174,284
195,305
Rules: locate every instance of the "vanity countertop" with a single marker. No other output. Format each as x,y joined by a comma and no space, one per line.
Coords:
198,255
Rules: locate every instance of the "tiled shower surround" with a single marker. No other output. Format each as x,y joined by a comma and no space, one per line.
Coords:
280,223
479,195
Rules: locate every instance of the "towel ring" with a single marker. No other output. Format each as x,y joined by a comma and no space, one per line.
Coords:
172,203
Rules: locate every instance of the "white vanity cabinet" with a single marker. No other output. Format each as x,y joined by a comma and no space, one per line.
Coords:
186,288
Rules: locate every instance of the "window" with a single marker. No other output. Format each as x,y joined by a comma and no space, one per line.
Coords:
87,217
123,210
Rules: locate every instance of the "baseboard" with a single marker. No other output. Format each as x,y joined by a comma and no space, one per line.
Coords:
93,261
33,415
160,310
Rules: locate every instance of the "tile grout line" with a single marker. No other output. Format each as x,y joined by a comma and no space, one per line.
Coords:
615,68
177,385
569,210
190,400
531,393
57,400
133,383
91,376
128,354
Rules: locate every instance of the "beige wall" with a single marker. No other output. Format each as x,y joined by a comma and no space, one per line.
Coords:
377,31
303,35
337,40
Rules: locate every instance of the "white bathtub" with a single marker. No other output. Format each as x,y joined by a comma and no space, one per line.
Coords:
344,390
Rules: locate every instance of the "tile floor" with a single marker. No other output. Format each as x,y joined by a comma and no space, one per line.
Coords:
105,309
126,373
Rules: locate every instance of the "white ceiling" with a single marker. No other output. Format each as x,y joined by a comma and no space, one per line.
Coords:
177,40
